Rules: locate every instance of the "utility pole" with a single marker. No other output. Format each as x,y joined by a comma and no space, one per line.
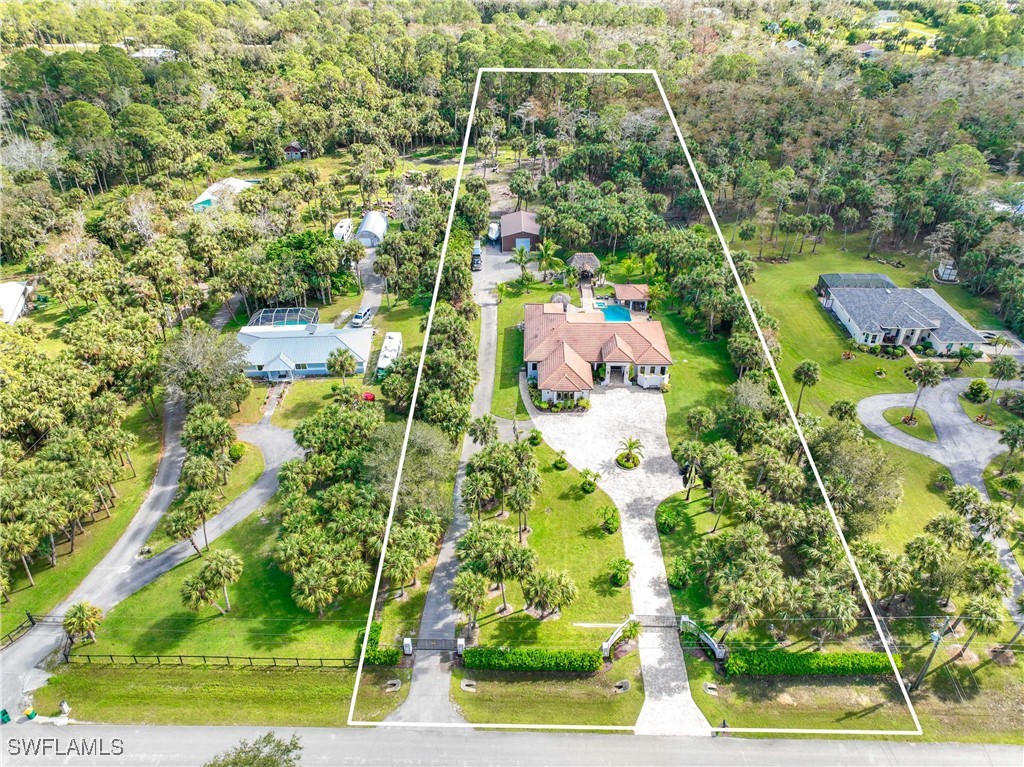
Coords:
936,638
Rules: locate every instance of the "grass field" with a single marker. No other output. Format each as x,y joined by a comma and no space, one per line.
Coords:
1001,417
219,696
264,620
509,357
921,500
534,698
55,584
242,475
566,535
696,521
807,332
923,429
249,411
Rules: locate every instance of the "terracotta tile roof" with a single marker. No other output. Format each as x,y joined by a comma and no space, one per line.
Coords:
639,292
592,337
564,370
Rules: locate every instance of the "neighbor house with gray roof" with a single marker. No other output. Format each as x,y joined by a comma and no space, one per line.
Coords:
875,311
286,352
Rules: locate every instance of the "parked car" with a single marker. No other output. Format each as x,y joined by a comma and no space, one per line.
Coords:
476,263
362,317
493,231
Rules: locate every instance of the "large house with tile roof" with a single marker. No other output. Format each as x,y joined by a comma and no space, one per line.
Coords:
565,350
875,311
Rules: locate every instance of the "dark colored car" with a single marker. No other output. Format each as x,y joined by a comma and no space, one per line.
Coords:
476,263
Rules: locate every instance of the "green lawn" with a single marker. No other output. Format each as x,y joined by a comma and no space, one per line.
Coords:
219,696
923,429
241,478
509,357
535,698
700,373
1001,417
53,585
921,500
264,620
51,318
695,521
566,535
250,410
807,332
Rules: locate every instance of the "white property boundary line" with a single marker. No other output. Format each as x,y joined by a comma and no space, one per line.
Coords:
778,379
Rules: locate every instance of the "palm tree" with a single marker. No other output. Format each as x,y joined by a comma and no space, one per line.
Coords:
469,594
341,362
964,356
1020,628
500,291
620,569
182,525
633,448
19,541
843,410
547,257
520,501
981,615
926,374
475,489
354,577
1013,438
522,257
1003,368
196,593
807,373
202,505
728,482
315,587
838,610
688,453
82,618
483,429
221,568
400,568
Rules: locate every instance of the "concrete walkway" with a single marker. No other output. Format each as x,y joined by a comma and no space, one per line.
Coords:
591,441
963,446
429,699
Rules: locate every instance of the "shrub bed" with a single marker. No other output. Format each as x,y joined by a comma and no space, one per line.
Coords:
377,655
522,659
777,663
627,461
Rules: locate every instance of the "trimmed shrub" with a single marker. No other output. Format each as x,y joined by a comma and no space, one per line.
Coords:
532,659
929,352
779,663
560,464
377,655
627,461
666,519
236,451
978,391
678,573
535,437
610,519
588,486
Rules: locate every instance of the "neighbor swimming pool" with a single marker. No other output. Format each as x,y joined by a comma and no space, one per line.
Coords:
615,313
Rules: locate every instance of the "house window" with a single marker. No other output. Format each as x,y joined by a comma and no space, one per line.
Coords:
259,367
563,396
643,370
300,365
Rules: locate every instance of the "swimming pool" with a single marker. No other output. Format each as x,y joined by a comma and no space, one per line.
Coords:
615,313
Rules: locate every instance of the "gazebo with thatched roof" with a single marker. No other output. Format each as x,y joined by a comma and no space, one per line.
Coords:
585,264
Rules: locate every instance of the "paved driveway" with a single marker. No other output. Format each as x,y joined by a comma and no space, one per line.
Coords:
591,441
963,446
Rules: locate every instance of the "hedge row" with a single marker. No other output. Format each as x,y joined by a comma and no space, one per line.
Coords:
778,663
377,655
518,659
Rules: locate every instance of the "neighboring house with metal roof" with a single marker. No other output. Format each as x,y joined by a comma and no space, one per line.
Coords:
155,55
852,280
295,151
564,350
867,50
219,192
372,229
13,300
880,314
519,229
287,352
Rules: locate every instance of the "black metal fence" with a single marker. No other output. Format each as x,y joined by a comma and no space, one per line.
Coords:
232,661
23,628
444,645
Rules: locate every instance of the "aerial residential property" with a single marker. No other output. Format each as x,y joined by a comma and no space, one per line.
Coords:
372,229
295,151
564,350
286,344
867,50
875,311
155,55
220,192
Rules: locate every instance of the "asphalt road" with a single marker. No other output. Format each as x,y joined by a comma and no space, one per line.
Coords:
187,746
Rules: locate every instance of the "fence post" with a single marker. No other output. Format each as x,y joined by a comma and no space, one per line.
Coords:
250,661
296,662
30,618
111,659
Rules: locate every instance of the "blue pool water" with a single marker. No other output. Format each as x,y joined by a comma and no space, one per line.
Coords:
615,313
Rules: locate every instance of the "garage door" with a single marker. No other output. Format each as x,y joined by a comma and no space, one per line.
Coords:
523,242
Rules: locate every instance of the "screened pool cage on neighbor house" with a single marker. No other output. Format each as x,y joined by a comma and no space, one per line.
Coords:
292,315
